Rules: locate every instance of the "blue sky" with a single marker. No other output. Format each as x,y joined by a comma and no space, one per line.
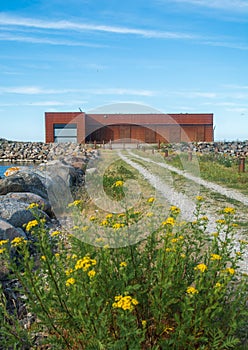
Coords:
177,56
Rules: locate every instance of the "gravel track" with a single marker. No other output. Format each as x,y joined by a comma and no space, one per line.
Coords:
181,200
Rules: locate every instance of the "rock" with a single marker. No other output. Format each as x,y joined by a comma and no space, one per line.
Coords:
16,212
28,198
8,231
23,181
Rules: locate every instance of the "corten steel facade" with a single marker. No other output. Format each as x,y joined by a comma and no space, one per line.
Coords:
149,128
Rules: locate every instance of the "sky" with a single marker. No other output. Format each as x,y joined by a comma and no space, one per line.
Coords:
177,56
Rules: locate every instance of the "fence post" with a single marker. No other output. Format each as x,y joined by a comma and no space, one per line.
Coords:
190,156
166,153
241,164
110,144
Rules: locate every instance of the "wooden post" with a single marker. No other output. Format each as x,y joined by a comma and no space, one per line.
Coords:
241,164
103,144
190,156
159,144
153,151
95,144
110,144
166,153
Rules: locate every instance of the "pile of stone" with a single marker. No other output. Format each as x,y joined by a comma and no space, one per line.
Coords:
231,148
38,151
51,185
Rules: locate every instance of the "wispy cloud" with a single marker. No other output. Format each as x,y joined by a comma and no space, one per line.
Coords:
196,94
35,90
231,5
39,40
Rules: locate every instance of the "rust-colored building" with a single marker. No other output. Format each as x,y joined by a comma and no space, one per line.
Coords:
150,128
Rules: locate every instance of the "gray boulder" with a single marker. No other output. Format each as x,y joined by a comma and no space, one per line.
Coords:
28,198
23,181
7,231
16,213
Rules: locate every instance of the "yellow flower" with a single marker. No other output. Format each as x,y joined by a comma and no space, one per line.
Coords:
215,234
192,290
70,282
204,218
174,240
221,221
118,225
2,250
238,253
68,272
123,264
57,255
104,223
169,221
151,200
109,216
235,225
85,263
199,198
31,224
149,214
168,250
18,241
201,267
43,258
121,215
143,322
125,302
76,203
33,205
174,209
55,233
92,218
98,240
118,184
217,285
229,210
230,270
215,257
3,241
183,255
91,273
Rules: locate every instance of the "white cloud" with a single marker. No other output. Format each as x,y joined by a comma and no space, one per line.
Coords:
38,40
233,5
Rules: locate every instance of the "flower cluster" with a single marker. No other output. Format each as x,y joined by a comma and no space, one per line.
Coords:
76,203
85,263
192,290
201,267
31,224
18,241
33,205
169,221
124,302
118,184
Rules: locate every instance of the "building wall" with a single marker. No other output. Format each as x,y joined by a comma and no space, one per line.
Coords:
148,128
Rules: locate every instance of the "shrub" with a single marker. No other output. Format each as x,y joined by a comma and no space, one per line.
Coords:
179,288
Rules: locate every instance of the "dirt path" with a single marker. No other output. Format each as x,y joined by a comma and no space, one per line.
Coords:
180,199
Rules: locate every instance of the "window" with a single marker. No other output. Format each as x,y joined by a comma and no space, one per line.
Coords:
65,133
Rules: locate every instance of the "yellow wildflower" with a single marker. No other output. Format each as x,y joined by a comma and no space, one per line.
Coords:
68,272
183,255
31,224
199,198
229,210
76,203
92,218
149,214
215,234
121,215
174,240
201,267
118,225
221,221
204,218
43,258
70,282
235,225
125,302
143,322
151,200
104,223
215,257
238,253
33,205
109,216
3,241
230,270
55,233
57,255
123,264
118,184
85,263
98,240
18,241
217,285
192,290
2,250
174,209
91,273
169,221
